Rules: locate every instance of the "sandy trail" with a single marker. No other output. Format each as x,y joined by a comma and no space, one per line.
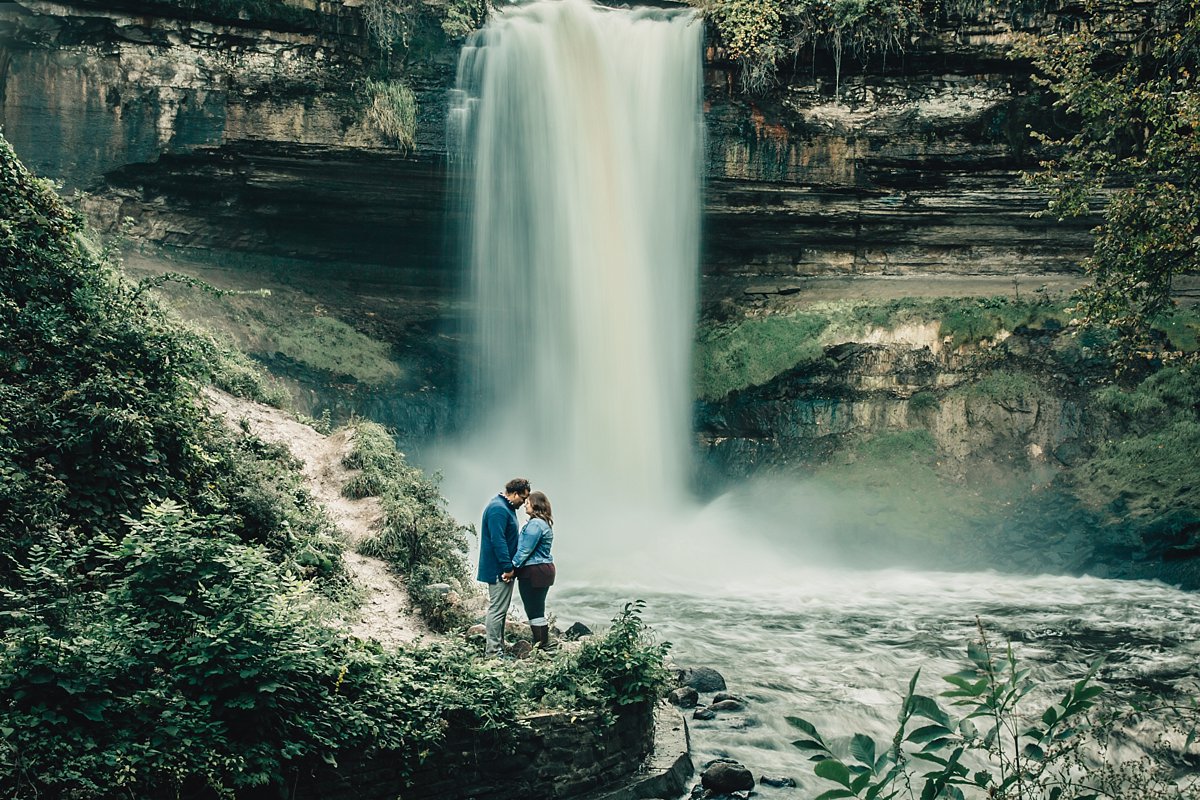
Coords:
387,611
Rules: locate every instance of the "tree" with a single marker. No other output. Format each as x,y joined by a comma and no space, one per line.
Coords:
1127,75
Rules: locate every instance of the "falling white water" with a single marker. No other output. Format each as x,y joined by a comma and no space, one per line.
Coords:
578,134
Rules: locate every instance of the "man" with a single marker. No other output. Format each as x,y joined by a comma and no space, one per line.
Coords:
497,544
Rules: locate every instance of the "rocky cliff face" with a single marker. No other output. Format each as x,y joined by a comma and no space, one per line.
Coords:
212,133
1015,405
239,136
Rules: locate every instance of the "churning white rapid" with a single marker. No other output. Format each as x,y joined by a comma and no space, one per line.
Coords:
578,131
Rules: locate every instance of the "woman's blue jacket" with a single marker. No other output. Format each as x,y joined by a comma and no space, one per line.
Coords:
534,545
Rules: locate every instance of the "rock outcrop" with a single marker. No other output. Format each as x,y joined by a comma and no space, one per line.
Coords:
248,141
253,136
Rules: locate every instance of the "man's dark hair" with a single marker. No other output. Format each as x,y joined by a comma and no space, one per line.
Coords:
517,486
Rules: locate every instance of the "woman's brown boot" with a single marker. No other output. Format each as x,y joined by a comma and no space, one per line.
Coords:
541,636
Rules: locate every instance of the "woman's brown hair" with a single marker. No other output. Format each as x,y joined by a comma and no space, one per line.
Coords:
540,505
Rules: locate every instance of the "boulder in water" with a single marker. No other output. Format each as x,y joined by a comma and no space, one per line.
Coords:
726,777
704,713
719,696
727,705
703,679
684,697
778,783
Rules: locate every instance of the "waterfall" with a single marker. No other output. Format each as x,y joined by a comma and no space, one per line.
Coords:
577,132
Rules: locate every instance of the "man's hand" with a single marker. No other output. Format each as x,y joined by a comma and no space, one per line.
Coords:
508,576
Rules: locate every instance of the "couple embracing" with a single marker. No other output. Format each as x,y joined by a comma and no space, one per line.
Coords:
508,554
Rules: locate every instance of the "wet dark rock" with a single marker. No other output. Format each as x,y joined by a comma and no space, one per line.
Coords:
778,783
684,697
704,714
703,679
725,777
577,631
727,705
726,697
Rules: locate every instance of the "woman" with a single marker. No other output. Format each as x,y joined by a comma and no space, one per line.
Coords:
535,565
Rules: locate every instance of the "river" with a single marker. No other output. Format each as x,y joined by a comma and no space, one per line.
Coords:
579,138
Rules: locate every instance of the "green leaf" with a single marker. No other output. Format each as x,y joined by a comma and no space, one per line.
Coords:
178,599
862,747
806,726
967,679
809,744
928,708
833,770
861,782
1052,714
833,794
928,733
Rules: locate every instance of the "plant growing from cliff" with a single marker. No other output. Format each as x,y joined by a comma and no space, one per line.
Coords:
998,747
392,110
758,34
462,17
1128,75
390,24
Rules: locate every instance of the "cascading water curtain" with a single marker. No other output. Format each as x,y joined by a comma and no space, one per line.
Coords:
579,134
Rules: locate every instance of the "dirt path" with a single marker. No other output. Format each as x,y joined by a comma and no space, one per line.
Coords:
387,613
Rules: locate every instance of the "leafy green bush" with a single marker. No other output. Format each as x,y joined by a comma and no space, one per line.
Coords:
1125,80
626,663
620,668
999,748
201,663
419,537
1143,479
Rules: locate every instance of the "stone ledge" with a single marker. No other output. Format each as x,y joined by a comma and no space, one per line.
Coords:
668,768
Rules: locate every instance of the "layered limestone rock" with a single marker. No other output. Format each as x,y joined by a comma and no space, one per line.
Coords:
900,166
234,136
1015,406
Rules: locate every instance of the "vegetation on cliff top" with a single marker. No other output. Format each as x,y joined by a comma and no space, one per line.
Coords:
1129,76
743,351
760,34
170,596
